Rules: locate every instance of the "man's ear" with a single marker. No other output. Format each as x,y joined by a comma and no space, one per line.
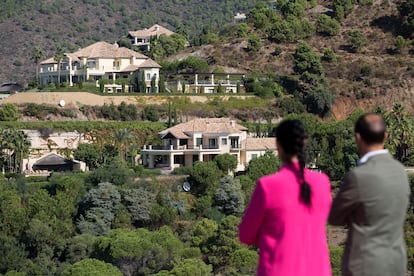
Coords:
385,136
357,137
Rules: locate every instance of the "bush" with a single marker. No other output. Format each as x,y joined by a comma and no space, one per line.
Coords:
254,44
365,71
336,253
401,44
9,112
329,55
327,26
290,105
356,40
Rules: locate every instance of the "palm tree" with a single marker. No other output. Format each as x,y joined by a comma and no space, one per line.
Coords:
122,137
58,57
15,144
36,55
21,147
133,150
7,147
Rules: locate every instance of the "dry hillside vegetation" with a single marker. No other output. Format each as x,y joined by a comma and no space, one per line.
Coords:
373,76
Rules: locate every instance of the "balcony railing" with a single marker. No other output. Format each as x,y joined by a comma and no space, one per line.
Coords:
180,148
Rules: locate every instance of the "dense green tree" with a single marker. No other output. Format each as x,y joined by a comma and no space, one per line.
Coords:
224,243
114,171
242,30
202,231
13,214
306,60
190,267
140,252
244,261
254,43
226,162
204,177
91,267
12,254
79,247
164,45
263,165
193,65
228,197
88,153
139,204
100,206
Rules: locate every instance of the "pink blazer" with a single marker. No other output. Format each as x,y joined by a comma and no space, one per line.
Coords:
291,237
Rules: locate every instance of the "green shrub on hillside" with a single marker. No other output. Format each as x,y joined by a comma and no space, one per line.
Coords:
9,112
327,25
356,40
254,44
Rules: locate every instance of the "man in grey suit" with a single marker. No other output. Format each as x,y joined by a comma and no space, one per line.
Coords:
372,202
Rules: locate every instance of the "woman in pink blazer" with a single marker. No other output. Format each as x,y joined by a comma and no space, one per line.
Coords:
287,214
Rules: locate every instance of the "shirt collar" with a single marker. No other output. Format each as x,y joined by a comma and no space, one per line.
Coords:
370,154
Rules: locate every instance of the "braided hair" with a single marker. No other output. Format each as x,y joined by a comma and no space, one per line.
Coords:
291,137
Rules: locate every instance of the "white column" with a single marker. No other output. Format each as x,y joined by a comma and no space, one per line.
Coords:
113,77
212,79
151,161
70,71
171,161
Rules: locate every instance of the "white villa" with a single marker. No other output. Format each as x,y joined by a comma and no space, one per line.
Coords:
142,38
101,60
202,140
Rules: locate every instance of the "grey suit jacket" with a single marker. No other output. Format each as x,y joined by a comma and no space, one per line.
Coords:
373,201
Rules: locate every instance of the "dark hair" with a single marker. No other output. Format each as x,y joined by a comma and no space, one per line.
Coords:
291,137
371,127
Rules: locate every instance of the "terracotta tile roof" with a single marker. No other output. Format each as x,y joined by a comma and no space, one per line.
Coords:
206,126
149,63
261,143
130,68
155,30
101,50
177,134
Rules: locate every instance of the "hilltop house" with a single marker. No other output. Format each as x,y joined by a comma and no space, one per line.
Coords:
202,140
101,60
142,38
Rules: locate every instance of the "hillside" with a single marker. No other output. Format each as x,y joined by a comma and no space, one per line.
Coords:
78,23
375,75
